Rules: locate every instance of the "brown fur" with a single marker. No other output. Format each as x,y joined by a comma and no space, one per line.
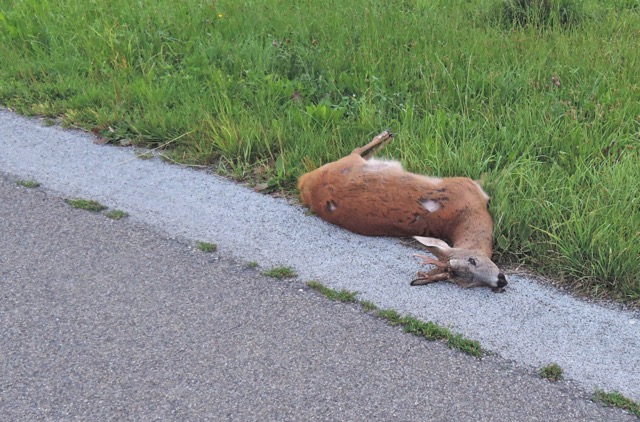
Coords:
379,198
388,202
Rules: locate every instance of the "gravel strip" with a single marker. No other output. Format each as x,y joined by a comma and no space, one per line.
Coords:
531,324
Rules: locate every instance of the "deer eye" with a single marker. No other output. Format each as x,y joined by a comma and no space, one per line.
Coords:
472,261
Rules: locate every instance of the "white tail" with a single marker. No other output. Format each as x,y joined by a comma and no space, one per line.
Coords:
379,198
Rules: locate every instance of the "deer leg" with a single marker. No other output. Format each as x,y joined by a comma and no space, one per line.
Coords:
430,277
439,273
426,260
378,142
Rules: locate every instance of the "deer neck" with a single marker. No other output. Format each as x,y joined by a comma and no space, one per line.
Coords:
474,232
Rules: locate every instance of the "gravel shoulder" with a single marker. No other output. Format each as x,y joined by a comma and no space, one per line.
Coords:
114,320
531,324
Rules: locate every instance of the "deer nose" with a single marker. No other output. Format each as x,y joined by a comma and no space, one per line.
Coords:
502,280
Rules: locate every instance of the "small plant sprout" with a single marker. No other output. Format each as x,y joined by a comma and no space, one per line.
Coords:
144,155
86,204
252,264
116,214
207,247
31,184
552,372
280,272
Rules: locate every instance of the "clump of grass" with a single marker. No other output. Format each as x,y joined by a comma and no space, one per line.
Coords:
616,399
539,13
86,204
116,214
368,306
411,325
428,330
31,184
552,372
336,295
252,264
207,247
465,345
391,316
280,272
432,331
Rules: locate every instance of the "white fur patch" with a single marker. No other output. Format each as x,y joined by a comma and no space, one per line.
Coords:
430,205
374,164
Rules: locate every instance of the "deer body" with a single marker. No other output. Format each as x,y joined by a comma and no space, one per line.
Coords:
379,198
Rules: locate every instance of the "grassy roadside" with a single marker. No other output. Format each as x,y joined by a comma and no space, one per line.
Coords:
549,116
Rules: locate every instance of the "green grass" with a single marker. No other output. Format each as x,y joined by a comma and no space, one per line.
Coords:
552,372
116,214
545,107
207,247
392,317
368,306
336,295
431,331
31,184
616,399
252,264
280,272
86,204
411,325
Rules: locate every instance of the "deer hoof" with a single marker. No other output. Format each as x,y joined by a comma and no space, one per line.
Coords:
423,278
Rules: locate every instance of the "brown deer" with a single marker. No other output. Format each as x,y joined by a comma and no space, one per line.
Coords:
379,198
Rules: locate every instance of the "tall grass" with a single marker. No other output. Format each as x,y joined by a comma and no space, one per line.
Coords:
547,113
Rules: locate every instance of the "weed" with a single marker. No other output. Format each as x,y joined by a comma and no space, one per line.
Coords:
86,204
428,330
116,214
432,331
392,317
252,264
280,272
31,184
207,247
368,306
552,372
340,296
465,345
616,399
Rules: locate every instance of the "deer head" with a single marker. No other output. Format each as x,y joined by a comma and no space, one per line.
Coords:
465,267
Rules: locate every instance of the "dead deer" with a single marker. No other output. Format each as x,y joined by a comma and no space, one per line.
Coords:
379,198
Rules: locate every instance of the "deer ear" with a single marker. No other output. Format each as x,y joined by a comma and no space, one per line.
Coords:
436,246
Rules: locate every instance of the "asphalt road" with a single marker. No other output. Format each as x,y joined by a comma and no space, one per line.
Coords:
531,324
115,320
